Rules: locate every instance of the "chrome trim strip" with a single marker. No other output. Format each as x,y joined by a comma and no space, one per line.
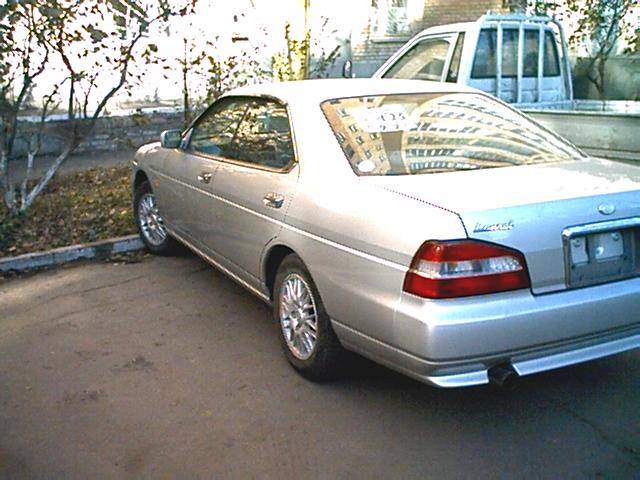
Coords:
601,227
388,263
224,270
468,379
572,357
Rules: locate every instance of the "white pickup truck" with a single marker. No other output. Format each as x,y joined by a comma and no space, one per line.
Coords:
522,60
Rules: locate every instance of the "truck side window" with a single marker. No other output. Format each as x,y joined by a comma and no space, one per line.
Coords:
484,65
530,51
424,61
530,62
454,66
551,65
509,51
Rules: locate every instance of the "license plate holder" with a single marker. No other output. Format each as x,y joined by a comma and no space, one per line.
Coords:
600,256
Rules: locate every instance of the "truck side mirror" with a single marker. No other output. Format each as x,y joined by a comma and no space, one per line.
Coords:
347,69
170,138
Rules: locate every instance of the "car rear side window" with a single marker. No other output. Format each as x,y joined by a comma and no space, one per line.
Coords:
263,137
405,134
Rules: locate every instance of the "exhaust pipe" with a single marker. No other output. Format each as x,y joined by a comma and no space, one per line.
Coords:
503,377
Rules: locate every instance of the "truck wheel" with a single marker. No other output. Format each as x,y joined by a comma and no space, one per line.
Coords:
306,334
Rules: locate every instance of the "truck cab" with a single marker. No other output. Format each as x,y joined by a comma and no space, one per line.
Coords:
518,58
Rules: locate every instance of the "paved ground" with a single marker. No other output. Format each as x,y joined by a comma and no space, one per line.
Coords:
167,369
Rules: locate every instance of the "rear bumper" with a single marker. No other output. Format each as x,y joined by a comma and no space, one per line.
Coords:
453,343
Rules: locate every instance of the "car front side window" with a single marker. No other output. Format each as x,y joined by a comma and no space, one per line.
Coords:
215,131
264,136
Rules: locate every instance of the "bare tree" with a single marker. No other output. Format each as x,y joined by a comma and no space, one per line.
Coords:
604,23
35,142
23,57
295,62
206,73
225,73
97,43
601,24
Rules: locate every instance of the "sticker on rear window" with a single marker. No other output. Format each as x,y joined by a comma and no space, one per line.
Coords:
366,166
387,118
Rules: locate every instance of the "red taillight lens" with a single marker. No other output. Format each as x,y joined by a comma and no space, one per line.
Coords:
462,268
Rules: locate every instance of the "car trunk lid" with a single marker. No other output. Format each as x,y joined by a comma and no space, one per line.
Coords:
529,207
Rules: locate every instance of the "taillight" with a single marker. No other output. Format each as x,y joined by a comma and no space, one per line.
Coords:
460,268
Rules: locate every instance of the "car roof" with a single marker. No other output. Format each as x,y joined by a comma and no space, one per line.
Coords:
319,90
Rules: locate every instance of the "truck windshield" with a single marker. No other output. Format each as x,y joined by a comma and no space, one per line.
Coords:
403,134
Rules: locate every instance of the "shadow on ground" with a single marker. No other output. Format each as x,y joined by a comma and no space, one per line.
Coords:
167,368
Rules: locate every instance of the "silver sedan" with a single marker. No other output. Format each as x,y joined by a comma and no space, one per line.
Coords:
426,226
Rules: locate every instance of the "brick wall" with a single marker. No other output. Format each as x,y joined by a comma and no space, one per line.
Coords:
441,12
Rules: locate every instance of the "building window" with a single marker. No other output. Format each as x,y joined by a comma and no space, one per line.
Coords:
391,18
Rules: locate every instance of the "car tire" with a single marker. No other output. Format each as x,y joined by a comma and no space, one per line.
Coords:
149,222
297,309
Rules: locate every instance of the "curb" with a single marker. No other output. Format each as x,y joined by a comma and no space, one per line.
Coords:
58,256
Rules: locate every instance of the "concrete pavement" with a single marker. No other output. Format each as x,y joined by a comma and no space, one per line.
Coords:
166,368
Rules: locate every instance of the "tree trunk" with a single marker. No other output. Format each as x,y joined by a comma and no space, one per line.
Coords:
9,194
185,98
4,170
601,83
185,86
51,171
23,188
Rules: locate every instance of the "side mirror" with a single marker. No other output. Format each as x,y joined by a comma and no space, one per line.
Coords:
347,69
171,138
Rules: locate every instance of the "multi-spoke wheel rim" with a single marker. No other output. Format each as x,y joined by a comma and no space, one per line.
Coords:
151,223
298,316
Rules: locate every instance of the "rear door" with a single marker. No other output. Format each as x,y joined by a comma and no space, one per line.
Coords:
254,183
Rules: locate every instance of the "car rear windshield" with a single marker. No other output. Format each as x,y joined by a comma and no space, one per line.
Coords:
403,134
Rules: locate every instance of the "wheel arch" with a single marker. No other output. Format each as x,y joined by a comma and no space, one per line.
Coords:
272,260
139,178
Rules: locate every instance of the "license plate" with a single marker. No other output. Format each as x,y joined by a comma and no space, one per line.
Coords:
599,247
602,257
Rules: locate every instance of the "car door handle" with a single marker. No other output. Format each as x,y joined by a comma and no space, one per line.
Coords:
205,177
273,200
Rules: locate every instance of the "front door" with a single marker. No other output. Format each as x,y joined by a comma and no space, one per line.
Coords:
210,138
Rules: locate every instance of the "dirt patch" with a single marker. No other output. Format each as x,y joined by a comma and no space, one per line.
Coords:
139,363
85,396
78,208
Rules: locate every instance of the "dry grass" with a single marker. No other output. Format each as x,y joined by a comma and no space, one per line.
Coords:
75,208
